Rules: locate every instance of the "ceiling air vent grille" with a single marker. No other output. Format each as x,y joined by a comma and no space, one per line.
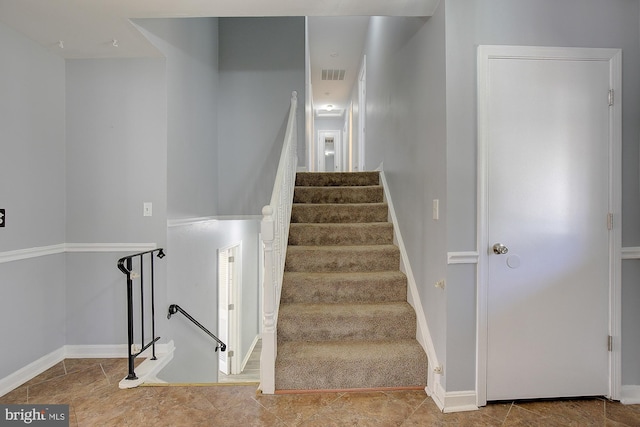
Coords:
333,74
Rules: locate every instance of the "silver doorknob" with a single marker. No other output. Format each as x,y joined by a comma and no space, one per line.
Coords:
500,249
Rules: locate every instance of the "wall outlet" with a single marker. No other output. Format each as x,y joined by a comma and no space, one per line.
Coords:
440,284
2,217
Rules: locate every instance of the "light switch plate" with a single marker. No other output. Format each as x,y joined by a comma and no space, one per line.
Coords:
147,209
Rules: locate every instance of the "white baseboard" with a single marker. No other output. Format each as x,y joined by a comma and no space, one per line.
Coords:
95,351
630,394
453,401
423,335
24,374
248,355
459,401
148,370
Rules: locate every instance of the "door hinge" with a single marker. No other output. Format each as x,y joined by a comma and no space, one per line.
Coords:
230,353
610,343
231,259
609,221
231,307
610,97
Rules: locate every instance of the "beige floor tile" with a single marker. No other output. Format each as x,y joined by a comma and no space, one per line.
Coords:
90,387
625,414
16,396
53,372
582,412
296,408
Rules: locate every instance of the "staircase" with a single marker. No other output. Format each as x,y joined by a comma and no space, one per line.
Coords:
344,321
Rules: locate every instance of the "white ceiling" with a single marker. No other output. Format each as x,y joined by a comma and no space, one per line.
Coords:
335,43
102,28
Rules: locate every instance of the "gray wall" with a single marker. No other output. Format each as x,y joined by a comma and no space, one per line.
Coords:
426,137
193,284
115,161
190,46
32,190
32,157
261,63
580,23
328,123
406,131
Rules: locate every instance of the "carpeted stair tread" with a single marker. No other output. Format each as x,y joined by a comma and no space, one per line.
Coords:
371,233
361,194
324,322
361,287
305,365
342,258
330,179
344,321
339,212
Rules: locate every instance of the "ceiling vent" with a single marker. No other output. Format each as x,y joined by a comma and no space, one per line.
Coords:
333,74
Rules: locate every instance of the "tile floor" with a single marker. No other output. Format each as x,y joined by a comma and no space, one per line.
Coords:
90,387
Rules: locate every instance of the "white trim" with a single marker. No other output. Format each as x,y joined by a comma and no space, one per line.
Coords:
149,368
413,298
110,247
362,113
116,351
469,257
460,401
38,251
24,374
454,401
248,355
630,394
614,57
632,252
34,252
182,222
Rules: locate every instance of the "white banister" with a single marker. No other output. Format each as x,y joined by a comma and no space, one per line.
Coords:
275,232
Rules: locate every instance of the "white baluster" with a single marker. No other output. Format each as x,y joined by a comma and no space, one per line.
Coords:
275,232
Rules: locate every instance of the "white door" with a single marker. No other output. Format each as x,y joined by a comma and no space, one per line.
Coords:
546,240
329,150
227,308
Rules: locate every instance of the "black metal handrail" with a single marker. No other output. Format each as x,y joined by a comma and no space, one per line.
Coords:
125,265
175,308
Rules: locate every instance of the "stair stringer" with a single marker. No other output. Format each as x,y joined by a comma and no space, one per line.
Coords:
423,335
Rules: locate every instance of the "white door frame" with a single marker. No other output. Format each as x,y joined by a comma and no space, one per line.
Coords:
362,112
233,326
337,145
614,58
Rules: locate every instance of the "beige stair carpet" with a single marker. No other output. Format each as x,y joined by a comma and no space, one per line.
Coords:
344,321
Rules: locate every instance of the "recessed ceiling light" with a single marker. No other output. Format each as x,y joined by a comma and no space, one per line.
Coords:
333,54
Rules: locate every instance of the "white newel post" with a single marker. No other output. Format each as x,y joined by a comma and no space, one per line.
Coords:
268,355
274,227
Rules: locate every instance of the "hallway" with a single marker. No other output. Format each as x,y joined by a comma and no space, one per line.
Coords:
90,386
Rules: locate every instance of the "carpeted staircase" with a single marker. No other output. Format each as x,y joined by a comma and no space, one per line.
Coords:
344,321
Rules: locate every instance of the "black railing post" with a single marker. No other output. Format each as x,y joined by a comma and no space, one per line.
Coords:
142,299
126,266
153,312
132,374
